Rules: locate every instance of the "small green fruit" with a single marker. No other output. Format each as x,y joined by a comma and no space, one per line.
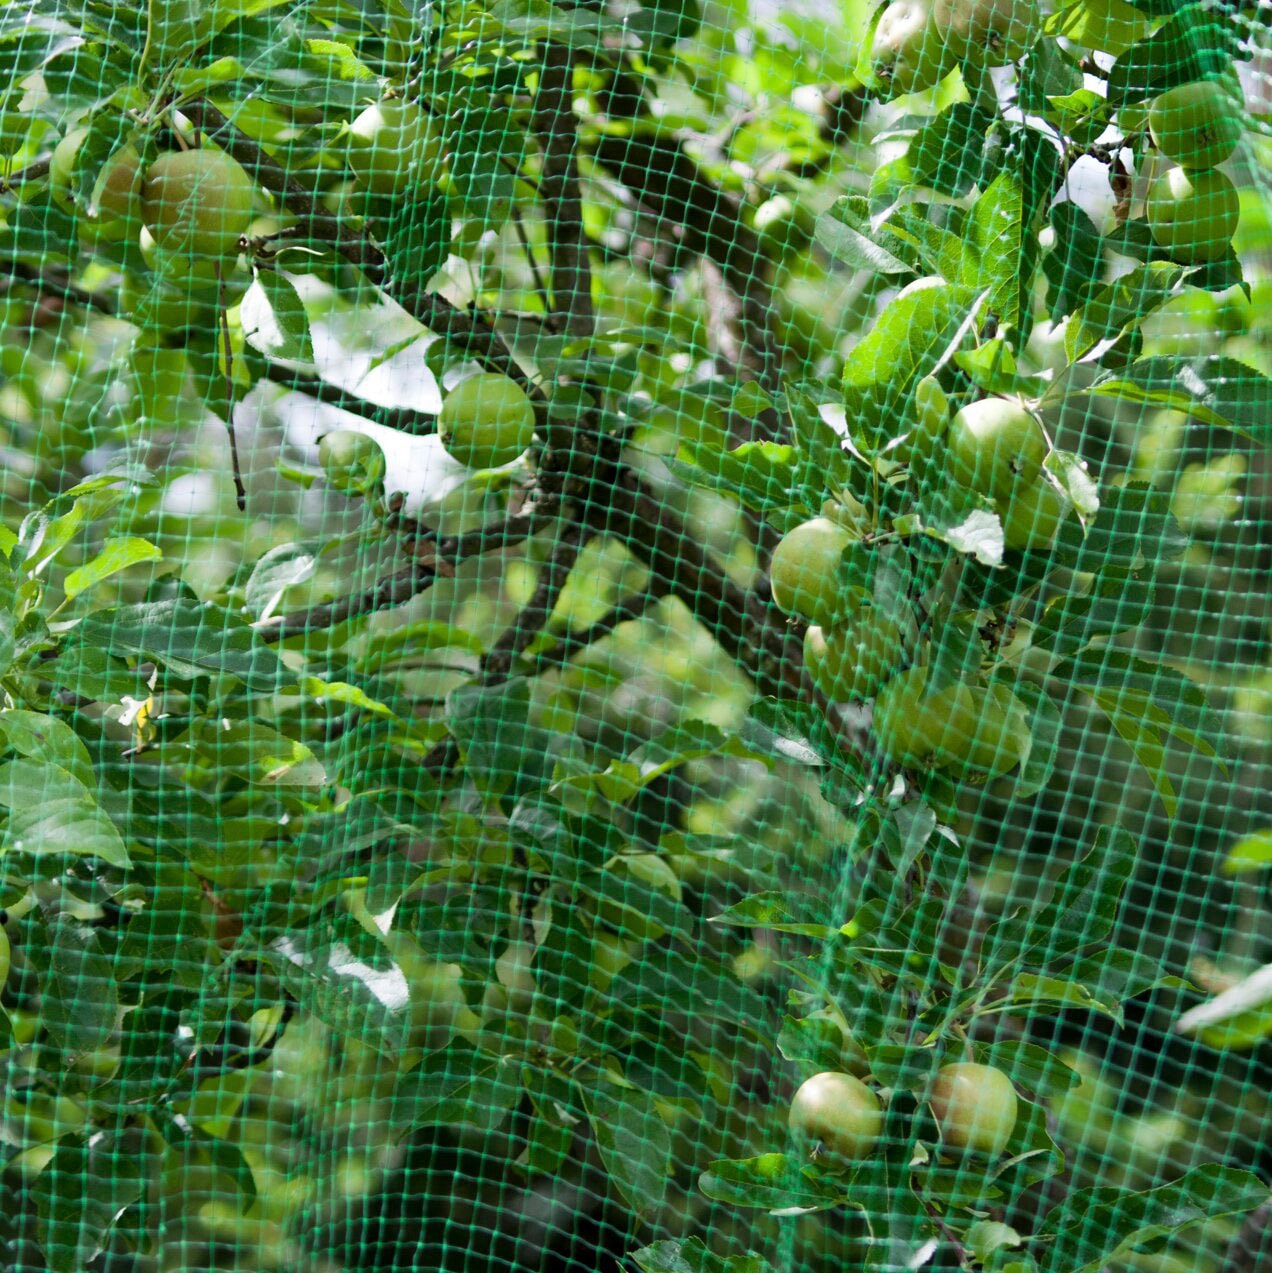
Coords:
852,660
351,462
932,417
803,570
396,148
116,198
1032,517
197,203
837,1111
996,447
1193,215
909,54
975,1106
1197,125
988,32
486,421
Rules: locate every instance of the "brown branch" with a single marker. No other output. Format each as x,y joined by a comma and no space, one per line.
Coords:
403,419
54,284
437,557
498,661
555,121
753,632
1253,1240
36,169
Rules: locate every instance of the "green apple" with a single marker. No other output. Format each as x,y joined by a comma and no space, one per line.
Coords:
351,462
932,417
1105,26
1197,125
837,1112
804,568
908,53
996,446
853,659
197,203
116,199
988,32
62,168
975,1106
1193,215
486,421
396,148
1032,517
999,736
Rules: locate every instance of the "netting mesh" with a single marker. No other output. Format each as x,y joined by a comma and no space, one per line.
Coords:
635,636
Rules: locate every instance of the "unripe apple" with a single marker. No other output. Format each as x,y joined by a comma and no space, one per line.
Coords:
853,659
351,462
1000,733
62,168
396,148
486,421
932,417
197,203
975,1106
839,1111
996,446
1197,125
116,200
1193,215
909,53
1032,516
988,32
803,573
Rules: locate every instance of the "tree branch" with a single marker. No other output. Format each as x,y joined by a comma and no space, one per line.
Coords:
554,120
437,557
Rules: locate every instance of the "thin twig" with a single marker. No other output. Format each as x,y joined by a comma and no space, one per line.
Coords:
528,252
36,169
240,491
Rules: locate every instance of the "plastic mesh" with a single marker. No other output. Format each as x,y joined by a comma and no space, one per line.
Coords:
635,636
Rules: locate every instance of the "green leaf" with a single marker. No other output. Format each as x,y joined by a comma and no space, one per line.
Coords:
990,248
1250,853
189,637
1030,1067
1115,975
1116,1221
456,1086
633,1142
774,911
250,749
945,154
76,1216
274,319
760,475
1212,388
1197,43
52,812
845,232
818,1043
914,336
117,555
774,1182
41,737
79,1000
1120,306
1082,908
690,1256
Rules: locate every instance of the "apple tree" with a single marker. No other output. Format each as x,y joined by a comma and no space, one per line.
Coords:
633,635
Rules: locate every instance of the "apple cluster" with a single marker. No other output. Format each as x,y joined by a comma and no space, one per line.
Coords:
856,649
1193,207
917,43
838,1118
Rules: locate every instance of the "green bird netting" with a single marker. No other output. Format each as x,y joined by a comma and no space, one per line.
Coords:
636,635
